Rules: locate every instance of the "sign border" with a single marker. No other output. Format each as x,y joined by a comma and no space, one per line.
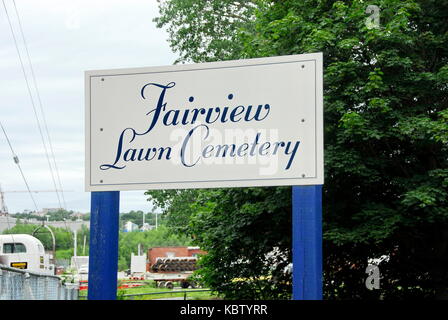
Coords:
315,180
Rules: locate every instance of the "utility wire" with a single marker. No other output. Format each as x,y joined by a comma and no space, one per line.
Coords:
16,160
32,103
40,103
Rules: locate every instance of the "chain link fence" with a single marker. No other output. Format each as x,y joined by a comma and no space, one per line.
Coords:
18,284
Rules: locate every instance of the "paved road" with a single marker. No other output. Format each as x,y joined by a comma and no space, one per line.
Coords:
9,222
6,223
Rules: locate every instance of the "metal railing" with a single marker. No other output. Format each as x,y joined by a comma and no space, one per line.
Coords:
16,284
131,296
185,292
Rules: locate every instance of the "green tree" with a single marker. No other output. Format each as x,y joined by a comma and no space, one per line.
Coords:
60,215
176,206
243,231
386,141
20,215
205,30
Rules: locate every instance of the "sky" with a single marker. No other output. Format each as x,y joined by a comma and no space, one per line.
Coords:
64,39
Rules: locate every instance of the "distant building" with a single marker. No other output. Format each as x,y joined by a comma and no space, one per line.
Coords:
78,215
146,227
50,210
46,211
129,226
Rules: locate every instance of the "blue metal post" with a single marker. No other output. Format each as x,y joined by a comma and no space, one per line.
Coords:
103,251
307,242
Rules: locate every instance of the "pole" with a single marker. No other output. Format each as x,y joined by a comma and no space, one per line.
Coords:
75,243
307,242
103,255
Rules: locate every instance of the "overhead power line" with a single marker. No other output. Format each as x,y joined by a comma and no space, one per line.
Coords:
32,99
40,104
16,161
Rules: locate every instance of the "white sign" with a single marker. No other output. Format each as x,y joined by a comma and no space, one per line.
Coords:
254,122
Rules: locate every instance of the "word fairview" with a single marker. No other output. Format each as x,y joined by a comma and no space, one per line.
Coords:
201,119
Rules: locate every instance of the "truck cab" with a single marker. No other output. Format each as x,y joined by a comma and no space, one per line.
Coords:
26,252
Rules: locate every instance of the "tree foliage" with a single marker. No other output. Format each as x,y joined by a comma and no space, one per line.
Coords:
205,30
386,146
177,206
55,215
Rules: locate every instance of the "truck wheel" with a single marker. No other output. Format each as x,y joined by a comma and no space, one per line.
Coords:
169,285
193,284
184,284
161,284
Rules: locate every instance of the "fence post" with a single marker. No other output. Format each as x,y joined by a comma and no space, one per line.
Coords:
28,292
45,288
1,283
